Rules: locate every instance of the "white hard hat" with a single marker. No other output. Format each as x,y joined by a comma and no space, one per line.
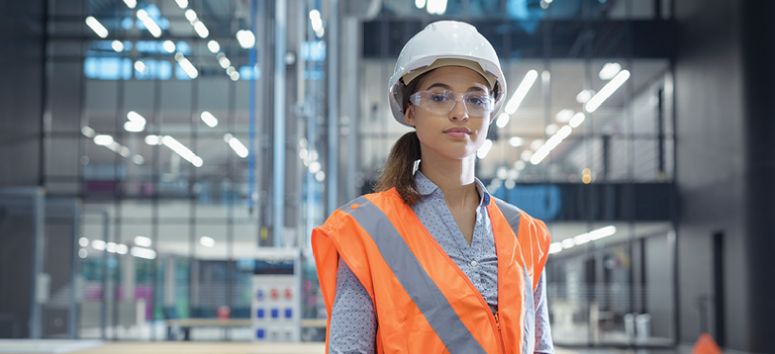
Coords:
445,40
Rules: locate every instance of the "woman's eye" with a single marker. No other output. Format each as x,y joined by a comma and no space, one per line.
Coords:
476,100
439,97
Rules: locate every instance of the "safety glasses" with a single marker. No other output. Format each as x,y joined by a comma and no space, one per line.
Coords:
478,104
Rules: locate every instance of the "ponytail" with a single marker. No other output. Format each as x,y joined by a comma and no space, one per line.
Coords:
399,168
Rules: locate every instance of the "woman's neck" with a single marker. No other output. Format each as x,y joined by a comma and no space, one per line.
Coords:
455,178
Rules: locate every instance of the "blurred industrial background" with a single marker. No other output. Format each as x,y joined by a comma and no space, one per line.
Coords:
153,152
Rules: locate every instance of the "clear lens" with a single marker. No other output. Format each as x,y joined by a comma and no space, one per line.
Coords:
443,101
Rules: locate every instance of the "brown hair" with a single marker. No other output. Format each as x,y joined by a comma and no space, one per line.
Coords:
400,163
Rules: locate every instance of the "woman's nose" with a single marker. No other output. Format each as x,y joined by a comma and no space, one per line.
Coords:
459,111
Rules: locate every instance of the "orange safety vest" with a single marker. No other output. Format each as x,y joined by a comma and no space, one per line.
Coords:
422,301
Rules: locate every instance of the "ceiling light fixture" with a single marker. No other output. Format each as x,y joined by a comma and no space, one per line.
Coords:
484,150
609,71
607,91
209,119
207,241
236,145
143,241
152,27
97,27
186,65
117,46
141,252
182,150
502,120
213,46
246,39
521,92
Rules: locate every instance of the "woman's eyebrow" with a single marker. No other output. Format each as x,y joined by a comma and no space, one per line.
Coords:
445,86
438,84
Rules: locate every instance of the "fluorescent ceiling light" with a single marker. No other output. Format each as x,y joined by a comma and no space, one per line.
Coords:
83,253
320,176
502,120
482,152
103,139
88,131
519,165
182,3
97,27
577,120
516,141
590,236
419,3
83,242
555,247
315,19
609,71
182,150
521,92
314,167
141,252
138,159
246,39
111,247
564,115
149,23
607,91
236,145
153,140
209,119
234,76
230,70
121,249
130,3
550,144
213,46
190,15
526,155
207,241
169,46
224,62
117,45
568,243
98,245
140,66
536,144
201,29
143,241
136,122
438,7
187,66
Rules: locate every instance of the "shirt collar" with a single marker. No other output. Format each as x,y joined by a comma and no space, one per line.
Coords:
426,187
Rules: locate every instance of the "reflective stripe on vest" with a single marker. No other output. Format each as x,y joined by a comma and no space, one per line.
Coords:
414,279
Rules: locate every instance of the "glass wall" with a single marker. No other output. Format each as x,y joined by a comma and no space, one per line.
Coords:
159,126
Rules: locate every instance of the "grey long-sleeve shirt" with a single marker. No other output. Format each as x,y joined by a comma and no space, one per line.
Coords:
353,324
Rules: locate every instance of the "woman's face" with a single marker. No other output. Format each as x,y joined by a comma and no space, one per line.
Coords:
456,134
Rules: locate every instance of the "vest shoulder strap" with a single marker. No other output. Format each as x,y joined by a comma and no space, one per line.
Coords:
533,237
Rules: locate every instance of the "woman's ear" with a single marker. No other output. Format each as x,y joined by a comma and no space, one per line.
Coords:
409,115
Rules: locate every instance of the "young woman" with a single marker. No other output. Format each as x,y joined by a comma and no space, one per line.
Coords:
432,263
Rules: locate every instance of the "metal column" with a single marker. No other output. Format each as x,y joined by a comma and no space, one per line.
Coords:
279,123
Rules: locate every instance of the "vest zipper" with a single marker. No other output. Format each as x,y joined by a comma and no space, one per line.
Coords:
500,335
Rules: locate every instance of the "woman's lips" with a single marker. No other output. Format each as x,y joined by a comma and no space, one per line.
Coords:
458,133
